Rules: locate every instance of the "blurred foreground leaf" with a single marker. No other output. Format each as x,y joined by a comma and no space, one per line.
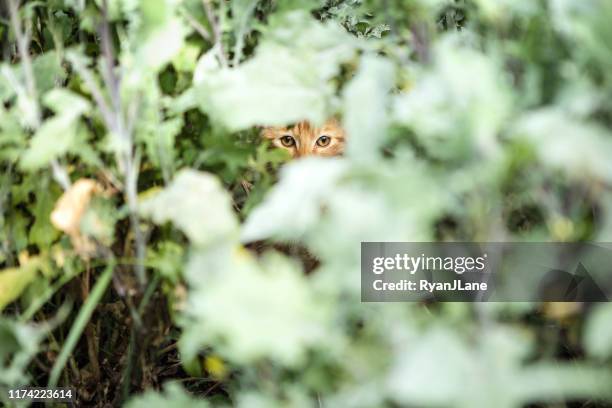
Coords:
197,204
172,396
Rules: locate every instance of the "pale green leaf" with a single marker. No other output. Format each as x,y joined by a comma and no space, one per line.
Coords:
58,134
294,205
61,100
54,138
311,54
443,369
505,10
196,203
264,94
296,398
161,45
267,311
187,58
433,371
578,148
7,90
172,396
598,332
159,141
457,108
365,107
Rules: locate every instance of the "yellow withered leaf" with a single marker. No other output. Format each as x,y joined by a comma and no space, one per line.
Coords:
71,206
69,210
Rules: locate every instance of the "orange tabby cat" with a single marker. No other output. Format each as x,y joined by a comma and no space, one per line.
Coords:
303,139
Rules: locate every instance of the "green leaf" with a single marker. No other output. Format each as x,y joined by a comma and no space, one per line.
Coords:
59,134
423,375
586,23
53,139
161,45
19,343
504,10
7,89
273,313
159,141
196,203
290,5
579,148
187,58
12,137
294,205
441,376
598,332
48,71
172,396
457,108
62,100
98,221
311,54
167,258
365,107
295,397
42,232
13,281
155,13
17,226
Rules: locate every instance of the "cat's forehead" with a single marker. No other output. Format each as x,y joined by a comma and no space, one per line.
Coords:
307,127
331,125
303,127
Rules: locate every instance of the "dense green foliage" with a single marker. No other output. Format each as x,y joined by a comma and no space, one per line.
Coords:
477,120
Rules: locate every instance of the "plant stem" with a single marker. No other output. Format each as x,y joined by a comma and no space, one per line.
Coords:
242,33
196,25
214,23
80,323
128,159
127,374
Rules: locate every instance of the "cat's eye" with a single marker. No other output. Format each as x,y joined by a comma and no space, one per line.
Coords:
323,141
287,141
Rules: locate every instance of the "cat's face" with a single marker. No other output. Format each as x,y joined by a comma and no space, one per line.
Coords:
303,139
